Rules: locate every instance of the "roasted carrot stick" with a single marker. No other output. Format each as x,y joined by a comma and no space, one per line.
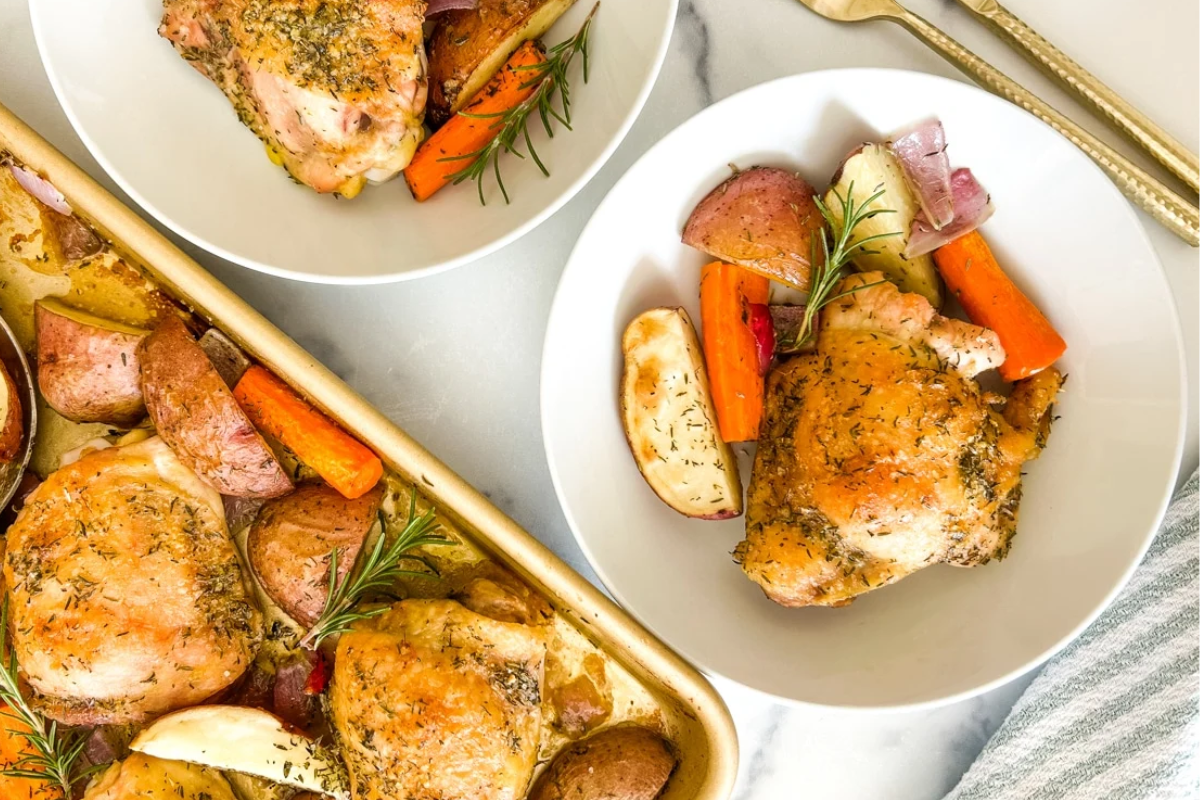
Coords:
993,301
13,747
730,349
439,156
344,462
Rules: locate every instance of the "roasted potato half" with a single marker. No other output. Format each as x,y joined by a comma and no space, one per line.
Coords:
763,219
670,421
198,417
12,426
87,367
621,763
870,168
468,47
290,543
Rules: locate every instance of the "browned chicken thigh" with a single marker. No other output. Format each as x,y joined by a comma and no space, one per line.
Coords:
126,595
432,701
880,455
335,88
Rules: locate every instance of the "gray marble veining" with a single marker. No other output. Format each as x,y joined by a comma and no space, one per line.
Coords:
455,358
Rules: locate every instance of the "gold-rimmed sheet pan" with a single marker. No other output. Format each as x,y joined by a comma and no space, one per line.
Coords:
703,731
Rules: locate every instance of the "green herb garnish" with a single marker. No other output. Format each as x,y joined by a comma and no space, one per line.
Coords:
376,571
827,271
550,78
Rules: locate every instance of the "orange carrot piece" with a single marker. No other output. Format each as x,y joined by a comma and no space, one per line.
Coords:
730,353
14,747
430,168
345,463
992,300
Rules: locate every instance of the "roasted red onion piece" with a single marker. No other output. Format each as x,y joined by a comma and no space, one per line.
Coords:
76,239
922,153
787,321
972,207
438,6
41,188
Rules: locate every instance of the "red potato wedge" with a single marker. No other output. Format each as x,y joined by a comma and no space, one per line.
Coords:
12,430
87,367
622,763
290,543
763,219
670,421
198,417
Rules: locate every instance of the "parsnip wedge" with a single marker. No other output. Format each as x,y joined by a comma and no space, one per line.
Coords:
871,168
669,418
247,740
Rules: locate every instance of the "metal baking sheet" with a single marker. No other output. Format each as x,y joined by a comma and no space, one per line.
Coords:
702,729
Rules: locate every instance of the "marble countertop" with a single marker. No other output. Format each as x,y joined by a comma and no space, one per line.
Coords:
466,384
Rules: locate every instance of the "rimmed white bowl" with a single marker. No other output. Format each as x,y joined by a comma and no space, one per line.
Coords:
1092,503
172,142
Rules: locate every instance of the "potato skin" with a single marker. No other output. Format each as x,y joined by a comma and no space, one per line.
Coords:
291,540
669,418
87,367
621,763
12,426
198,417
469,46
763,219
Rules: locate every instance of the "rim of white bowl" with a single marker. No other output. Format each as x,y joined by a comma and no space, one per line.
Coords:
520,231
922,705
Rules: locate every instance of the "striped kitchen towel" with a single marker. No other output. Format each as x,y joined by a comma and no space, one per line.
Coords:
1114,716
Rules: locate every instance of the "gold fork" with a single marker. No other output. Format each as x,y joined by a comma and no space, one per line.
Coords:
1176,214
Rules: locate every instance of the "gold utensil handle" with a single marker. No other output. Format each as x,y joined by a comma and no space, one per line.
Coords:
1165,149
1178,215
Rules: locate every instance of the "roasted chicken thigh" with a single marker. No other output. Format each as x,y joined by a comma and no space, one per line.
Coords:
335,88
880,455
432,701
126,595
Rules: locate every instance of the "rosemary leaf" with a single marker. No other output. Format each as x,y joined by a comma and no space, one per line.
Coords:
551,81
829,267
373,573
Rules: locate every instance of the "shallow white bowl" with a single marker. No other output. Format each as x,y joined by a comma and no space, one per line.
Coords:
1092,501
171,140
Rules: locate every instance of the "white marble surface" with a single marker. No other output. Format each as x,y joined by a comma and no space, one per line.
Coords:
455,358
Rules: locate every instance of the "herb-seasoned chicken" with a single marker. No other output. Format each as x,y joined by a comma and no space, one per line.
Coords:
126,595
335,88
432,701
880,455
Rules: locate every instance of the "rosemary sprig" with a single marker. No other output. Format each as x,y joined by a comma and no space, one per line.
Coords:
550,78
829,266
55,754
372,572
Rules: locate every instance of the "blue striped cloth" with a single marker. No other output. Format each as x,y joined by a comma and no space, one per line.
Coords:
1115,716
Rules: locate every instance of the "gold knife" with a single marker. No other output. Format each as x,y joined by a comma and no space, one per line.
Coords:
1176,214
1165,149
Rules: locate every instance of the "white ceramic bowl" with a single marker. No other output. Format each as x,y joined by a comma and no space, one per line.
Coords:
171,140
1092,502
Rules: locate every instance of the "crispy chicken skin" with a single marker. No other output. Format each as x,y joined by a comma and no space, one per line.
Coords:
126,596
335,88
880,455
148,778
432,701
